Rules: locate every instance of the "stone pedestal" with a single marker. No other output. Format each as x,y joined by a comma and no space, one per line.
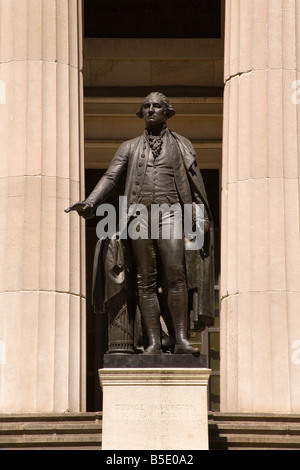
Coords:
154,408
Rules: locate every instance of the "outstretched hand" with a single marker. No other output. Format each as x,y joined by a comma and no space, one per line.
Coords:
84,209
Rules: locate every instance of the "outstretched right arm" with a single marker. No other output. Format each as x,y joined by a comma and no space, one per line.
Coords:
105,186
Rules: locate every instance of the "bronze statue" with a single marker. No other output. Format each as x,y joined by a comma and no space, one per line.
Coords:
174,285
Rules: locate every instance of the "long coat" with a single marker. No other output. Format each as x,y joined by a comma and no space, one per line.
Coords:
109,276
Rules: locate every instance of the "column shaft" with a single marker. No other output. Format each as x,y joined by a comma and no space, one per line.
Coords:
41,284
260,272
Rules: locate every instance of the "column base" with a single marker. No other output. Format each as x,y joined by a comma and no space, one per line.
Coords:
154,408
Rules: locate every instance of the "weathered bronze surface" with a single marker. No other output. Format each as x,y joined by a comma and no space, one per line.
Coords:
154,290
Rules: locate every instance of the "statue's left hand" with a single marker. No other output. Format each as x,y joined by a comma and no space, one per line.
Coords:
84,209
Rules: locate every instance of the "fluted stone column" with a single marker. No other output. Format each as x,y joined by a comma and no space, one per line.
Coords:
260,273
41,276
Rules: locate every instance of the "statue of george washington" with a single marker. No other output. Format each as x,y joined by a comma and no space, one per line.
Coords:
169,282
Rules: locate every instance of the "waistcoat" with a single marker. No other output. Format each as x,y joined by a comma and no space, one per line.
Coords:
159,184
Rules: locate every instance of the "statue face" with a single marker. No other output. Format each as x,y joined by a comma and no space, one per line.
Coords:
154,111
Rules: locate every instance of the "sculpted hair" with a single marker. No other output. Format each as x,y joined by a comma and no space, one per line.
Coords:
170,111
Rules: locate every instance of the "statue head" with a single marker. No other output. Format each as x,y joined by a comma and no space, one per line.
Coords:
159,101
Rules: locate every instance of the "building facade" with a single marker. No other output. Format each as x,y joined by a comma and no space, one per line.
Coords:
71,80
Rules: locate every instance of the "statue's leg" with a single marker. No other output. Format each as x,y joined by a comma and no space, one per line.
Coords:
172,256
145,260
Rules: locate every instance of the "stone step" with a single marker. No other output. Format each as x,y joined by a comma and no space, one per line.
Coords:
82,431
254,431
65,431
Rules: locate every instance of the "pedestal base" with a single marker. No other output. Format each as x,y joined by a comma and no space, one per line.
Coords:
154,409
161,361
